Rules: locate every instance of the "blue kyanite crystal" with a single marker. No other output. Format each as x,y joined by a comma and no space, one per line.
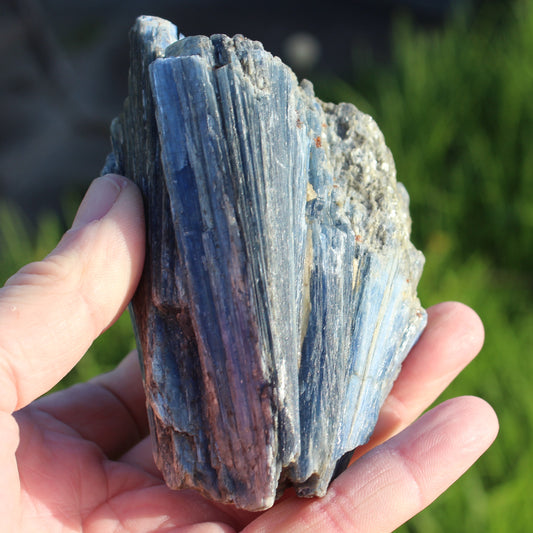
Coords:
278,299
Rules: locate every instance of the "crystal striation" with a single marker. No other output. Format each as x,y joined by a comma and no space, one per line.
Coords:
278,298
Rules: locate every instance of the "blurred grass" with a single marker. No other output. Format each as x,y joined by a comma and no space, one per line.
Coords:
456,109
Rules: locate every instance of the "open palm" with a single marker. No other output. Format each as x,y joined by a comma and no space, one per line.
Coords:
80,459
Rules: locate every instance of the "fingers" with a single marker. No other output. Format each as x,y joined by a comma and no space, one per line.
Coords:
397,479
453,337
52,310
141,456
9,481
108,410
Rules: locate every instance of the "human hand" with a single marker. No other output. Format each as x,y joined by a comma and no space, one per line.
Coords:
80,459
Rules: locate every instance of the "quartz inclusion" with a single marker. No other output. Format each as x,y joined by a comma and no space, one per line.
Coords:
278,298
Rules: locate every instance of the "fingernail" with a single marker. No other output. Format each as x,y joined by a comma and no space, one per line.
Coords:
99,199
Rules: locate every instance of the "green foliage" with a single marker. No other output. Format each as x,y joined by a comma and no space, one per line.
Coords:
456,109
497,488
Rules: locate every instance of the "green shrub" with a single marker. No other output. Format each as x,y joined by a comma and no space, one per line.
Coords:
496,491
456,109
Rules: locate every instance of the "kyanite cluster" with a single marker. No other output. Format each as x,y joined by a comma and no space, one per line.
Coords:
278,298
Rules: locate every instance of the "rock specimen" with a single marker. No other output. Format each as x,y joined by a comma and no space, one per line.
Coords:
278,299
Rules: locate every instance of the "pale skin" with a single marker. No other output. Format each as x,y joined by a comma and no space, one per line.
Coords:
80,460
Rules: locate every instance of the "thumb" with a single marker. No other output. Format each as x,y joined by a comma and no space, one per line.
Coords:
52,310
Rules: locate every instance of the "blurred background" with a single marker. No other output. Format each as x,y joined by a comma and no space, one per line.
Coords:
449,82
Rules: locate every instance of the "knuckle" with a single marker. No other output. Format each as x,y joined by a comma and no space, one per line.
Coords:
54,270
328,513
